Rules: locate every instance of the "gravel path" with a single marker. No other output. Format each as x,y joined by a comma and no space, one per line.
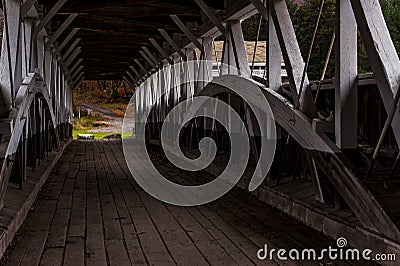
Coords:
114,122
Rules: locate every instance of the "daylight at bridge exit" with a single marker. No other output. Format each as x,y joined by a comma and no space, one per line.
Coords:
200,132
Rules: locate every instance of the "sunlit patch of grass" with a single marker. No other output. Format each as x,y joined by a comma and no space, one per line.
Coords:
99,135
89,122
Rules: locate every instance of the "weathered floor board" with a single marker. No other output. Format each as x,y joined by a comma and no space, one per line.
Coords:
91,212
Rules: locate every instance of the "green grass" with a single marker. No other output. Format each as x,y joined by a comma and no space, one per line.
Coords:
98,135
88,122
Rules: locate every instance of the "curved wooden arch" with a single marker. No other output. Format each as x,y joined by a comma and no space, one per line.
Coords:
337,169
32,86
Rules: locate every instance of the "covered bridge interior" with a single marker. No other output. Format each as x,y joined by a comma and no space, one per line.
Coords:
336,163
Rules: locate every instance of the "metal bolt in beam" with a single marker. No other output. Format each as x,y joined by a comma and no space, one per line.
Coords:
172,43
60,30
212,17
187,32
50,15
161,50
66,40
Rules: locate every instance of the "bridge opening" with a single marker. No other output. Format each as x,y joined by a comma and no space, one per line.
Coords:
328,72
99,108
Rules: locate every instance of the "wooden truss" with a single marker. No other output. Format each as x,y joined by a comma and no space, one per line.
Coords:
299,117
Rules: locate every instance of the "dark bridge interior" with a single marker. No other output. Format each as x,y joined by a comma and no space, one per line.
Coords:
337,161
113,32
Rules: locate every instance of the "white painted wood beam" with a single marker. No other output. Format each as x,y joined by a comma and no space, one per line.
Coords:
381,52
292,56
274,68
346,76
240,47
235,56
27,45
205,65
11,59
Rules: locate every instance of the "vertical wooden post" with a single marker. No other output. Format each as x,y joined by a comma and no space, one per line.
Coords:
205,65
34,54
274,56
346,76
381,52
294,62
235,54
27,45
10,62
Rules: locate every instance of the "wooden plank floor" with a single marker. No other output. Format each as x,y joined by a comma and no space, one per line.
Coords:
91,212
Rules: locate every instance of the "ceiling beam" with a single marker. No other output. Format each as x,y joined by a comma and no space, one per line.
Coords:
140,65
70,49
135,71
207,11
60,30
50,15
150,55
66,40
161,50
76,65
72,57
172,43
187,32
144,55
